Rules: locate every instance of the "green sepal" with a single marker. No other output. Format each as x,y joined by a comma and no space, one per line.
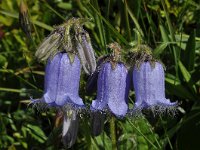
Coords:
71,57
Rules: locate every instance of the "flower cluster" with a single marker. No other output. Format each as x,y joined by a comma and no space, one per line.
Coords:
69,37
67,49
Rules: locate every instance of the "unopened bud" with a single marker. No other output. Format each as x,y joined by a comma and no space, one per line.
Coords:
24,20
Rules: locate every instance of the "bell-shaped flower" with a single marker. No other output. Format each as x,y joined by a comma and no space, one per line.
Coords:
112,89
149,86
62,78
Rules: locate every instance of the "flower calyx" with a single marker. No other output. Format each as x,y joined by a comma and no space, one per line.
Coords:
115,57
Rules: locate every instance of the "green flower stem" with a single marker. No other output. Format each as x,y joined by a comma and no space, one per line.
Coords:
113,133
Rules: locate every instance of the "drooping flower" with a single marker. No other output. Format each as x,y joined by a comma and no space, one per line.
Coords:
62,81
149,86
111,89
61,87
63,49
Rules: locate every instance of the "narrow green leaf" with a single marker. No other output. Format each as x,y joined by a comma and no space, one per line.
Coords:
37,133
53,10
138,130
136,7
176,88
185,37
38,23
186,76
184,72
64,5
168,21
128,29
164,33
39,72
114,31
10,90
190,52
13,15
6,21
41,24
160,48
99,23
176,51
135,21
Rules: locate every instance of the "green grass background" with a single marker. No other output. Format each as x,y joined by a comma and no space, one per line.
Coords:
170,28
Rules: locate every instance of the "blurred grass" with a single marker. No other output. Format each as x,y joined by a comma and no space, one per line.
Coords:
171,28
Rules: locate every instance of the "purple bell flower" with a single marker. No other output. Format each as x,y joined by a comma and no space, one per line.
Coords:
149,85
111,89
62,81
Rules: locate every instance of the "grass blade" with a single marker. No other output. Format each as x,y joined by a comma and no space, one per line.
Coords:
190,52
114,31
186,76
135,21
160,48
142,134
99,24
38,23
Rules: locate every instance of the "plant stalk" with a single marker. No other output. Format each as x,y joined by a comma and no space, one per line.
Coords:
113,133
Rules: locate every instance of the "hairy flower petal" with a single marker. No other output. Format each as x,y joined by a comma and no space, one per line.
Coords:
62,81
149,86
112,89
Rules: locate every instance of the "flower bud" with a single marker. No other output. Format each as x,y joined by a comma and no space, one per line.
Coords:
85,51
24,20
50,45
70,128
91,85
97,122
